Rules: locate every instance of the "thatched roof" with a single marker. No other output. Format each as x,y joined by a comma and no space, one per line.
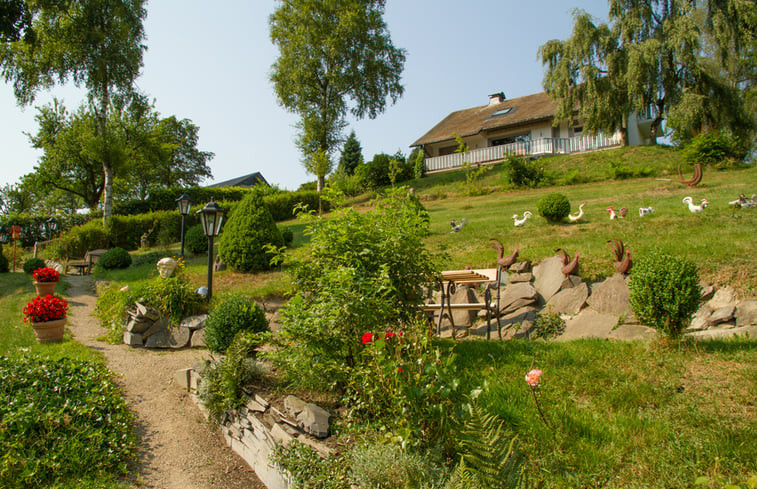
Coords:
469,122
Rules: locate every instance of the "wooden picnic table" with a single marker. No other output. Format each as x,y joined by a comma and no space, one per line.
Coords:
449,279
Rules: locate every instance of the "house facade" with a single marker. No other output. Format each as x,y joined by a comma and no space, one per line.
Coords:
521,126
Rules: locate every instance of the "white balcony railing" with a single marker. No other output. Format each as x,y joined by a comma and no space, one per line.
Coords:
537,147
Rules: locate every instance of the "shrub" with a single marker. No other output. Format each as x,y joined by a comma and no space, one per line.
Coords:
234,314
243,240
387,466
221,388
548,325
524,172
287,235
307,469
33,264
63,420
554,207
115,258
362,269
720,149
664,292
282,204
172,296
3,261
78,240
195,240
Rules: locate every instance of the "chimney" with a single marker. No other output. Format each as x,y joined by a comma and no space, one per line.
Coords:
496,98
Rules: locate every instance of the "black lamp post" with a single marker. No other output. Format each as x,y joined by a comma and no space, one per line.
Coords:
52,225
184,202
211,217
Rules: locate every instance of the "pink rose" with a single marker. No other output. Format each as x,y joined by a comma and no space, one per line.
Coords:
532,377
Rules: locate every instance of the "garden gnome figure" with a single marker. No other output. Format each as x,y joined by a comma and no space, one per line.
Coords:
166,266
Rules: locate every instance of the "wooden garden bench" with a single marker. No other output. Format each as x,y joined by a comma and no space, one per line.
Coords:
84,266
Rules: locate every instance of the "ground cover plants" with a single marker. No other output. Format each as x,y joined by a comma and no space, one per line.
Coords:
63,420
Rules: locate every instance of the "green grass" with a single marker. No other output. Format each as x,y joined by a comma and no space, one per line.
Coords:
631,415
32,426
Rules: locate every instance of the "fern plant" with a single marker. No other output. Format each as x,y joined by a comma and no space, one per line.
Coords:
489,460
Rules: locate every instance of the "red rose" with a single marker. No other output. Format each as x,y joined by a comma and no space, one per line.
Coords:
367,338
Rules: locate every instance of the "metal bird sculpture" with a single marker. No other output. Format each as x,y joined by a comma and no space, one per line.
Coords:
503,261
569,266
623,262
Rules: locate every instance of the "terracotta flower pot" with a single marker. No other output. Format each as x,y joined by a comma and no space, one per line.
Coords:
49,331
45,288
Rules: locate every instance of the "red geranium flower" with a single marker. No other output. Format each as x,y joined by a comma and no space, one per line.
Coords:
388,335
46,274
47,308
367,337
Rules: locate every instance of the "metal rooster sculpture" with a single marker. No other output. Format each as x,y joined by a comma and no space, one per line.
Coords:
503,261
623,261
570,267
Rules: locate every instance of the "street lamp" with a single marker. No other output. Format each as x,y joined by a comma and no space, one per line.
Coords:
52,225
184,202
211,217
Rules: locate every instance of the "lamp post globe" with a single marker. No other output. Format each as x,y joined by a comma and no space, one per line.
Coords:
52,226
184,203
211,217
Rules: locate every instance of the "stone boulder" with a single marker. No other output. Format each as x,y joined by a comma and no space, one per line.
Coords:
193,323
198,339
520,266
518,324
746,313
632,332
723,297
516,296
611,296
722,315
314,420
548,277
169,338
568,301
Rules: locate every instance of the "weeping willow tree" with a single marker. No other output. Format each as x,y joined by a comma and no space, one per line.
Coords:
650,55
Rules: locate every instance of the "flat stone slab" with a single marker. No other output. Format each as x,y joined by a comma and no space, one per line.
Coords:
633,332
521,277
198,339
611,296
722,315
314,420
711,334
589,324
725,296
193,323
133,339
548,277
568,301
520,266
160,325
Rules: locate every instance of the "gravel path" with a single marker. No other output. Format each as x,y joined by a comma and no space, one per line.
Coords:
177,448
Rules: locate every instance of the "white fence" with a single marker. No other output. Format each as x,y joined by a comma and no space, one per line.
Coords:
537,147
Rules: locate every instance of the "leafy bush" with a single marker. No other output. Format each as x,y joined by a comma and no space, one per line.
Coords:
33,264
548,325
387,466
115,258
554,207
78,240
524,172
248,230
307,469
195,240
719,149
287,235
34,227
618,171
222,381
62,420
664,292
149,258
164,199
234,314
362,270
282,204
3,261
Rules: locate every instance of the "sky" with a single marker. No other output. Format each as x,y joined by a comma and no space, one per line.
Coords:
210,63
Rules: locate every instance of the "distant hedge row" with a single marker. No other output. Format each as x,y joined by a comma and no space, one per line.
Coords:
280,203
33,228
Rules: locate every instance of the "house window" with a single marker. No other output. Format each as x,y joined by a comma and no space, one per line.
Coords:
578,130
501,112
447,150
514,138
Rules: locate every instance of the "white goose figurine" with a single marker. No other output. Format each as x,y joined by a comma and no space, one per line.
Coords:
519,222
579,215
695,208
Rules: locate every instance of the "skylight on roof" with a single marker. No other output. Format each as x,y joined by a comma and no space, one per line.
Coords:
502,112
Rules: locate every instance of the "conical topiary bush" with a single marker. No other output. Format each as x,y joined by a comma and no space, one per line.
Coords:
249,229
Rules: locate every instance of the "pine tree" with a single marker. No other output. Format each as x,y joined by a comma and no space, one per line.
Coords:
352,155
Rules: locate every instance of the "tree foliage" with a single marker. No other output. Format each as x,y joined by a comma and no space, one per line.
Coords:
335,58
96,44
649,55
